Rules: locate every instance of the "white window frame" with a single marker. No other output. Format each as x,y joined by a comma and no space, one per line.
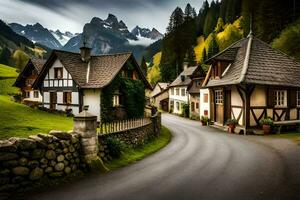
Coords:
36,94
298,99
172,91
177,91
280,98
219,97
183,92
178,106
116,100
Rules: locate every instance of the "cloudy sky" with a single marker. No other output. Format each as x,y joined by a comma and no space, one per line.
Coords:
71,15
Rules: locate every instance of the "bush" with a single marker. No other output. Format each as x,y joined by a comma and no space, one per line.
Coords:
204,119
266,121
185,110
195,117
115,147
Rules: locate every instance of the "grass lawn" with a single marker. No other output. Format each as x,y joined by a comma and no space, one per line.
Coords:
21,121
7,72
133,155
292,136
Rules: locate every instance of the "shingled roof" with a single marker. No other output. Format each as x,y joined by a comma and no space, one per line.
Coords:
255,62
187,73
102,69
38,64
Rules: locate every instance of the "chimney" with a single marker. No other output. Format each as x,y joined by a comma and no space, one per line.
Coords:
185,65
85,53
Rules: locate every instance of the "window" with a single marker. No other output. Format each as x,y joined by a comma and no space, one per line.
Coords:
280,98
29,82
58,73
36,94
177,91
177,106
172,91
116,101
183,92
193,106
197,105
26,94
198,83
205,98
67,98
298,98
219,97
172,105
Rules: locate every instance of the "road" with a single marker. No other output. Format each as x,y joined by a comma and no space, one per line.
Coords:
199,163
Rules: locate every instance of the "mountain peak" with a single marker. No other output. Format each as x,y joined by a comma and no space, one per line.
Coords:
112,19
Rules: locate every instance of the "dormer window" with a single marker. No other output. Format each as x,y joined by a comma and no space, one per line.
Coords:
58,73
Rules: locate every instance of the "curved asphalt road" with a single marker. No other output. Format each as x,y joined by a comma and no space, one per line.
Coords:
199,163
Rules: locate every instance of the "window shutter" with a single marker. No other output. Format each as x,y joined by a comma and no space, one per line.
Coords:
292,98
271,98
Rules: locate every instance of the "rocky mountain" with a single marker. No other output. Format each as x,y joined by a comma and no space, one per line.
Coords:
63,38
37,34
112,36
147,33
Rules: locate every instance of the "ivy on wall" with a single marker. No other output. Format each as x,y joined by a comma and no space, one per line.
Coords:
133,102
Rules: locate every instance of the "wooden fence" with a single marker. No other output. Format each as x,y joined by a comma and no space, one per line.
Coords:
119,126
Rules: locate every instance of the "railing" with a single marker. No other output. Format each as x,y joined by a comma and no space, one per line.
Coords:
119,126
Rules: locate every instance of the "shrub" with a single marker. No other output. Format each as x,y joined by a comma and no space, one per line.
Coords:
195,117
266,121
204,119
185,110
231,122
115,147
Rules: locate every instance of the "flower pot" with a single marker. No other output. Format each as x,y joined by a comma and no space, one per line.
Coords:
231,128
266,129
204,123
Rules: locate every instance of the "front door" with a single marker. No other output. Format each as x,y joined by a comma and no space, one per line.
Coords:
219,106
53,100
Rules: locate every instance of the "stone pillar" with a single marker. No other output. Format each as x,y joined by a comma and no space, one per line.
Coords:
85,125
156,123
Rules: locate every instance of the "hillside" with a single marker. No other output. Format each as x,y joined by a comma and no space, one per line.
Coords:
7,72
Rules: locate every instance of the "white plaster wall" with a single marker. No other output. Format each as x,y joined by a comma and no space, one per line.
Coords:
60,97
75,98
258,97
236,99
58,83
178,97
46,97
293,114
177,111
204,106
92,98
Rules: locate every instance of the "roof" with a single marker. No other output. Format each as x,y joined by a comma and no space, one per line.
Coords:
33,62
255,62
186,73
102,69
193,88
163,86
38,64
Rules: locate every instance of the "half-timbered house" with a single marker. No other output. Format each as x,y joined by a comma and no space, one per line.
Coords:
250,81
160,96
69,81
26,79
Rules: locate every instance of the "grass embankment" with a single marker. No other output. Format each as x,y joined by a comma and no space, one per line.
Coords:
21,121
18,120
131,155
292,136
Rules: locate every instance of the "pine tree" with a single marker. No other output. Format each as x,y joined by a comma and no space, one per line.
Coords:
201,17
204,55
211,18
220,25
144,66
191,56
213,47
176,20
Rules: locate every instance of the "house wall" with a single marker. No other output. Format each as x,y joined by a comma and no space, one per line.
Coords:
177,99
92,98
157,101
59,86
204,106
237,111
194,100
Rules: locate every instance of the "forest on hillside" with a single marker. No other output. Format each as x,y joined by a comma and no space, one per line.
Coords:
194,37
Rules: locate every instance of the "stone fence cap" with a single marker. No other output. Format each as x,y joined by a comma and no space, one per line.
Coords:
85,114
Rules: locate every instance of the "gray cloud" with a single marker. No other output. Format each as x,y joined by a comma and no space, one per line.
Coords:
73,14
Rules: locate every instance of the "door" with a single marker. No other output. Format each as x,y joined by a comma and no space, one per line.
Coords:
219,106
53,100
227,105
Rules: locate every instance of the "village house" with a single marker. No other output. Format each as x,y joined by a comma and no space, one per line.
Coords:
178,89
26,79
194,92
160,96
69,81
250,81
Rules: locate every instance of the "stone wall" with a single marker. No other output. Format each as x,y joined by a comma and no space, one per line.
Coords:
134,137
24,162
